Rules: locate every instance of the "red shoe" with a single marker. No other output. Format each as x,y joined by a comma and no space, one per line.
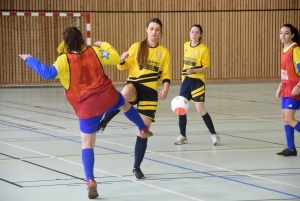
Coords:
92,189
145,133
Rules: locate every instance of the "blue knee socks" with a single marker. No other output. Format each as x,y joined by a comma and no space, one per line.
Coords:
297,127
289,134
133,115
88,160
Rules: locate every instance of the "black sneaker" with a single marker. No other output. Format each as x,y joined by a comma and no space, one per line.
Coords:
101,127
137,173
287,152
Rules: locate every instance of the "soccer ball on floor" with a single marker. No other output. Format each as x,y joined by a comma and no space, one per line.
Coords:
180,105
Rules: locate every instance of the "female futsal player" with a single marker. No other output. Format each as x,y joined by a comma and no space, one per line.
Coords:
89,91
289,88
196,63
149,62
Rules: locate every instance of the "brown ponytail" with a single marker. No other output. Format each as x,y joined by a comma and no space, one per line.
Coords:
142,54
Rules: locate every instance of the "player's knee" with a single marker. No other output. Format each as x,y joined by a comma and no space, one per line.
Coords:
201,111
125,107
288,120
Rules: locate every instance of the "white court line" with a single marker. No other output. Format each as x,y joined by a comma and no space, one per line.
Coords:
259,119
169,156
119,176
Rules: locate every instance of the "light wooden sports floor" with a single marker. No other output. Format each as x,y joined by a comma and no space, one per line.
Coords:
40,150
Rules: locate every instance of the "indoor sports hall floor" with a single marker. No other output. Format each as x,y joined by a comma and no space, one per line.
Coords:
40,150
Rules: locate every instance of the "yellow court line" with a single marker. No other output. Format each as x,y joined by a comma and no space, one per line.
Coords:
148,153
214,150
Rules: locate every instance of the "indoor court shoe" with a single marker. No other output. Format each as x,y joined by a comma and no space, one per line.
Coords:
181,140
287,152
215,139
101,127
92,189
145,133
137,173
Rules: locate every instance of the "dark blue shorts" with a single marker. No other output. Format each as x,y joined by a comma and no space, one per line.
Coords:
290,103
90,125
193,89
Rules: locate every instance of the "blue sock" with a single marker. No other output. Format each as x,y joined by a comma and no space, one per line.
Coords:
289,134
88,160
297,127
133,115
139,151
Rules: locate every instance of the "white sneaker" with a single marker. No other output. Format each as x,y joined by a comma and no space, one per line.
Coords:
181,140
215,139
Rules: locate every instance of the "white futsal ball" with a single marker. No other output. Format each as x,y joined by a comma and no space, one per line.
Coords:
180,105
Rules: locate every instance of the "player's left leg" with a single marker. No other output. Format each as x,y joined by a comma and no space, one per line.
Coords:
289,108
139,152
198,94
88,160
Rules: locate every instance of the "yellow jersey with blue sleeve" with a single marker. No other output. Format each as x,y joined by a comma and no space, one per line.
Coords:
107,55
158,66
195,57
296,59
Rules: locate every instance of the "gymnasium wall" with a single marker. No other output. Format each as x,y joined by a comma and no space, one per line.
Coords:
243,35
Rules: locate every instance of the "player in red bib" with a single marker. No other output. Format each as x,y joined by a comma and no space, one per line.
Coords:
289,88
89,91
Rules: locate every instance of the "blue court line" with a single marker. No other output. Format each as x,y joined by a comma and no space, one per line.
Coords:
63,138
161,162
222,177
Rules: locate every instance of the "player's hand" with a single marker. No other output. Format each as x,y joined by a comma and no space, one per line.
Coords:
163,94
98,43
296,91
278,93
190,71
124,56
24,56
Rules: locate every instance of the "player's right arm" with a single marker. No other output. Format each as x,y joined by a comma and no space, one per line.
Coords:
130,57
278,92
106,53
43,70
296,59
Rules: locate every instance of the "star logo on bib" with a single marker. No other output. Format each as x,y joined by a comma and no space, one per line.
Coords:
104,54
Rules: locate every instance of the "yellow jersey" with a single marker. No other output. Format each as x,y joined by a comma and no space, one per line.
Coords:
158,66
195,57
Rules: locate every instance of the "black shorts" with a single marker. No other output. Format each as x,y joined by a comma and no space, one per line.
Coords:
193,89
146,100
